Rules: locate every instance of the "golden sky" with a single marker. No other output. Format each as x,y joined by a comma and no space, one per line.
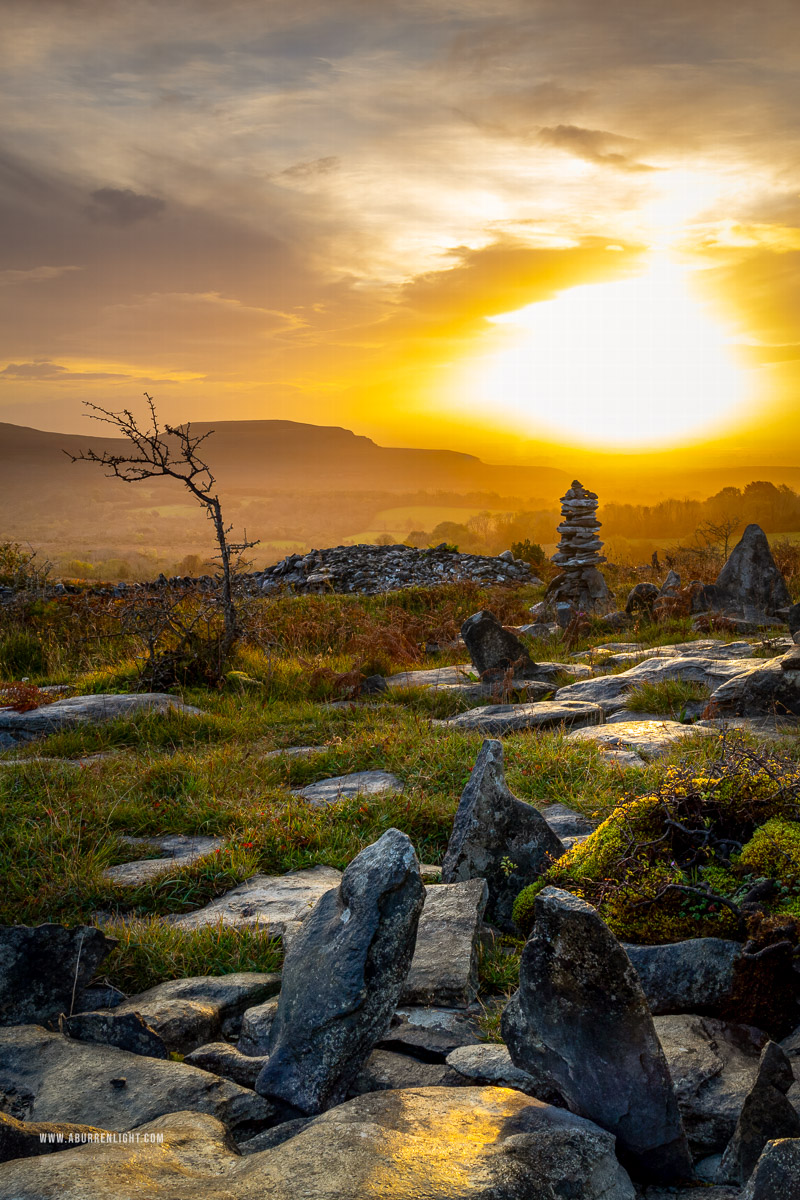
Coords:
504,226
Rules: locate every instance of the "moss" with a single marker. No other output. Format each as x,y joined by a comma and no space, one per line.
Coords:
522,912
773,851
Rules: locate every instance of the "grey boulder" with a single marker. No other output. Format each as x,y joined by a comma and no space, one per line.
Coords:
762,689
713,1065
580,1018
777,1172
444,969
750,578
436,1143
766,1114
693,976
43,967
429,1033
342,977
491,647
220,1058
255,1027
125,1030
186,1013
498,838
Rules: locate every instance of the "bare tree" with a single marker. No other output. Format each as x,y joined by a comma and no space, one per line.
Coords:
718,533
173,451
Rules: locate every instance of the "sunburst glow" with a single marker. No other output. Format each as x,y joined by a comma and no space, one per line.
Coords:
636,362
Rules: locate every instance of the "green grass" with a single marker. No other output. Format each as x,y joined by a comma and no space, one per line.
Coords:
149,952
668,697
60,824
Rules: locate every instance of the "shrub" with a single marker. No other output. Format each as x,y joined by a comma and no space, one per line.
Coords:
530,551
676,862
774,851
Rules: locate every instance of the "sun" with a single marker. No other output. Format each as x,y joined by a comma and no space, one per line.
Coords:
640,362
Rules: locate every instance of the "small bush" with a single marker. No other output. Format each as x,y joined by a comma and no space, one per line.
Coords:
530,552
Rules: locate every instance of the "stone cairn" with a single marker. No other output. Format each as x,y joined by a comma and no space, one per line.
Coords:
580,583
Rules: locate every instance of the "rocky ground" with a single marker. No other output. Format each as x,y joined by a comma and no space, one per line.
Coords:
530,937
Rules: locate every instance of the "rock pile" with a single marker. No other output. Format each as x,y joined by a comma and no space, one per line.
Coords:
580,583
372,569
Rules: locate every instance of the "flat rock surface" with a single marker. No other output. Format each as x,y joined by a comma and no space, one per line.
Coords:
435,677
763,689
430,1033
498,719
608,690
176,850
47,1077
432,1143
185,1013
490,1064
295,751
648,739
342,787
444,969
89,710
272,901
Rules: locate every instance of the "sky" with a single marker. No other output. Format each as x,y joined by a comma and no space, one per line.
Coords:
506,227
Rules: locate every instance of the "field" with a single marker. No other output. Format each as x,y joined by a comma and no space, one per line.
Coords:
66,801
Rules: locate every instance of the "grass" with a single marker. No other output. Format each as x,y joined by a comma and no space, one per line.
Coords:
60,824
149,953
668,697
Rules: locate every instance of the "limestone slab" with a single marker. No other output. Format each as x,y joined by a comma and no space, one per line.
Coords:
433,1142
343,787
177,850
88,710
499,719
648,739
444,969
269,901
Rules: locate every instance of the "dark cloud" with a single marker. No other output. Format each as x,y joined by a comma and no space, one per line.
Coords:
319,166
122,206
593,145
44,369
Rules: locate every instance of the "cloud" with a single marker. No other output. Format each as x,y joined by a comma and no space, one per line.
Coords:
44,369
593,145
319,166
12,277
122,206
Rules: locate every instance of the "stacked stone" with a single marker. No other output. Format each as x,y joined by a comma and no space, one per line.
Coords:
580,582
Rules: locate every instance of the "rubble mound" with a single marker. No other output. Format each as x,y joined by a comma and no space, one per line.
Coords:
368,569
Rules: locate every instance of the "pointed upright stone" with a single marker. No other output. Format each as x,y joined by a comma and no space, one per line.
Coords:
498,838
766,1114
493,648
581,1019
342,977
750,578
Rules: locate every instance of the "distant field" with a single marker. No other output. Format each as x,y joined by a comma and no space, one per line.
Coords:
400,521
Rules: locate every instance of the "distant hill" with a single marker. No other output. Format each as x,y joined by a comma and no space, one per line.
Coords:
285,455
